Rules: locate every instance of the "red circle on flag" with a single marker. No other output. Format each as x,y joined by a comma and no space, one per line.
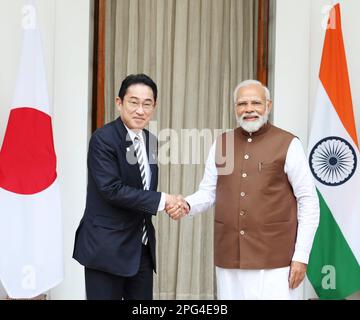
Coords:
27,157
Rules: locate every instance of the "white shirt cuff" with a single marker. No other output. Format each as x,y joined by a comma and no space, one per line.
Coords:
301,256
162,202
192,203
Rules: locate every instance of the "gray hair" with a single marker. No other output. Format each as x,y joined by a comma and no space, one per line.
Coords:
250,82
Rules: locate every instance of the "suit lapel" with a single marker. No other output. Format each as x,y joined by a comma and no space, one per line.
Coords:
127,147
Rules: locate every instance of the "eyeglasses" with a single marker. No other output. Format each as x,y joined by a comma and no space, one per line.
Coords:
255,103
134,105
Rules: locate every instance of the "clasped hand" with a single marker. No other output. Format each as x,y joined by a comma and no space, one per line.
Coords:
176,206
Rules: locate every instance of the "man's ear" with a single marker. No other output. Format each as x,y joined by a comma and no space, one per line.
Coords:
118,103
269,105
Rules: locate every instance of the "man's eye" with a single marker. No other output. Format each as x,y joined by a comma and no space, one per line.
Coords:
256,103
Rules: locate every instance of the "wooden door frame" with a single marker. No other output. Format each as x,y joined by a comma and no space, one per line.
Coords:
98,88
98,94
262,61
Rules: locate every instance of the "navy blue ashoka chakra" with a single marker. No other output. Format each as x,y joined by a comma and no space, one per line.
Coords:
332,161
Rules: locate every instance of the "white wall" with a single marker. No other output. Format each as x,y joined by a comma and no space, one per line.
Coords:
72,115
66,31
291,72
298,47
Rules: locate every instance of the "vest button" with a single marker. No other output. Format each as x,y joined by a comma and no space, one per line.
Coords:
246,157
242,194
242,232
250,140
244,175
242,212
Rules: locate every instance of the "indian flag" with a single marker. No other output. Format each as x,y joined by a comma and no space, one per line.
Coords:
31,252
334,269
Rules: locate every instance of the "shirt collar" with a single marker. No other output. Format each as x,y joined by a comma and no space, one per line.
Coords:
133,134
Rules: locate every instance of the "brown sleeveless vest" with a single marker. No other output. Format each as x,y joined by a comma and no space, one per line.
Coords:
256,210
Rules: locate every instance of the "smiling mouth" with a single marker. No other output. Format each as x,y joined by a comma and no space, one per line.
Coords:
251,118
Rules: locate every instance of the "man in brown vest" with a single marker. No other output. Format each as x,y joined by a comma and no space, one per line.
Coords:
266,206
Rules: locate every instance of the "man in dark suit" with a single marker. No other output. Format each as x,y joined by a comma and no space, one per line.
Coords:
115,240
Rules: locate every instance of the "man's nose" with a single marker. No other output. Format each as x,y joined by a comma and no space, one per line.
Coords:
140,109
249,107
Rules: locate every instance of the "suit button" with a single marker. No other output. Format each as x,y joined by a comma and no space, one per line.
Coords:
242,232
244,175
249,140
242,194
246,157
242,212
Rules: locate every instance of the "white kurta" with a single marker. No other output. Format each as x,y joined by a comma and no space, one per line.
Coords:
241,284
264,284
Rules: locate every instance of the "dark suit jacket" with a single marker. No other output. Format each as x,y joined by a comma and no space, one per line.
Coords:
110,232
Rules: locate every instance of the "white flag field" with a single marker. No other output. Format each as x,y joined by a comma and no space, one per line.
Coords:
31,259
334,269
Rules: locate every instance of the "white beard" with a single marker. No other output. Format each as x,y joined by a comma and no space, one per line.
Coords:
253,126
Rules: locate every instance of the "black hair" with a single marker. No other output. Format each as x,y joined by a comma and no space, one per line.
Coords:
135,79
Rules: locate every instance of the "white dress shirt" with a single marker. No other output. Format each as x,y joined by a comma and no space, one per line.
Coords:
299,175
139,134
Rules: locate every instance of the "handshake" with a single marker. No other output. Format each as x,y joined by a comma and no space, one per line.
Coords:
176,206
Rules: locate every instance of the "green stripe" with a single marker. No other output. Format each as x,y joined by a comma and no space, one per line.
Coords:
331,249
